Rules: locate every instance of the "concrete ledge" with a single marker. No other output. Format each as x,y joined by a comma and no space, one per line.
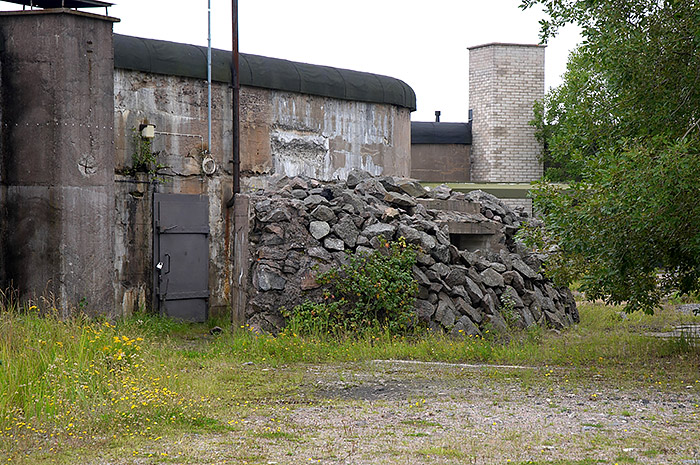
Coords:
462,206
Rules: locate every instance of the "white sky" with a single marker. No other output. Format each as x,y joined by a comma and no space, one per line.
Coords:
423,43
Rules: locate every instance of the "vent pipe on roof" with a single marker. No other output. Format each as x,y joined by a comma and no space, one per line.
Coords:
437,116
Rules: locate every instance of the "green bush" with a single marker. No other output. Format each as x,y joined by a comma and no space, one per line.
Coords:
372,292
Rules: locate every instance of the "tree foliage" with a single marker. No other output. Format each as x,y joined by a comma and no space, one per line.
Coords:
623,128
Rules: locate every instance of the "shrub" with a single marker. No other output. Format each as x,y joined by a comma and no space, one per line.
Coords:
371,292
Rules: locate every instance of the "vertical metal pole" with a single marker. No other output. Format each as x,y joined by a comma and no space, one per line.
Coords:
209,78
236,95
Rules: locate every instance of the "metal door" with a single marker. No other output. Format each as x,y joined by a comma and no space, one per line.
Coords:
181,255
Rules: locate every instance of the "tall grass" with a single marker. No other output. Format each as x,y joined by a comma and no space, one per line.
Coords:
603,339
73,379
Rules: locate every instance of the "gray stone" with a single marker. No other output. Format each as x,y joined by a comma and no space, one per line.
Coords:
488,202
425,310
323,213
456,277
496,321
348,198
441,269
465,328
491,278
498,267
436,287
299,194
423,292
379,229
527,316
511,295
262,207
356,176
441,192
528,297
319,253
411,235
389,183
513,278
554,319
520,266
441,253
445,313
315,200
536,310
277,215
319,229
399,200
412,188
427,242
488,304
420,277
346,230
544,302
362,250
269,280
333,243
424,259
474,291
371,187
465,309
442,238
298,183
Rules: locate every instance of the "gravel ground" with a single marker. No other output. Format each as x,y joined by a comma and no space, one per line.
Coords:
432,413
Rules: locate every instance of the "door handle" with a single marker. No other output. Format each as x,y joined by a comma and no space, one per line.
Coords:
167,257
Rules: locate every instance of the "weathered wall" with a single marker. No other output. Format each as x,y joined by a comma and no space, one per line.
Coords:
440,162
505,80
282,133
294,134
57,157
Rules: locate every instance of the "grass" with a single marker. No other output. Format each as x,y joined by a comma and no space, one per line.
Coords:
77,386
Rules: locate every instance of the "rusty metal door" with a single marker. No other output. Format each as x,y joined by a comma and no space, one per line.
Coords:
181,255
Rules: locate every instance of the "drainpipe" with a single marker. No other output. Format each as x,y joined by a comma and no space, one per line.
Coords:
236,92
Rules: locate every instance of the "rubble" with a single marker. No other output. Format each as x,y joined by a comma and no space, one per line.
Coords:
472,275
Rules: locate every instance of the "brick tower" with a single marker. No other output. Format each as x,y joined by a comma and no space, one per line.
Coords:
505,80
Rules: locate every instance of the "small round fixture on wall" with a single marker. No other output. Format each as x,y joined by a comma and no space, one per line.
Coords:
208,165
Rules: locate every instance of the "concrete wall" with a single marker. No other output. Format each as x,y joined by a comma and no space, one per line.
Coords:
295,134
282,133
505,80
440,162
56,157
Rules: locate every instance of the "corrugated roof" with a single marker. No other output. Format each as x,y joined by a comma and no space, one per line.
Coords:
441,133
171,58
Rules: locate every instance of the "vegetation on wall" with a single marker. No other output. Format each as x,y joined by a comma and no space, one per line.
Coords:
624,128
143,159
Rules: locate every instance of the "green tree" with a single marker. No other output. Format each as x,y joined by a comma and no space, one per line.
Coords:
624,129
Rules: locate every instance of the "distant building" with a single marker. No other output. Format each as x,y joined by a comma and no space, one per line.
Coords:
498,144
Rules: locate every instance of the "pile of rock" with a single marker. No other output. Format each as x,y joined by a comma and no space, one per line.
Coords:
471,273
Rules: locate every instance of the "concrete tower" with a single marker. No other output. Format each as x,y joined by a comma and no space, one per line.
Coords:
57,157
